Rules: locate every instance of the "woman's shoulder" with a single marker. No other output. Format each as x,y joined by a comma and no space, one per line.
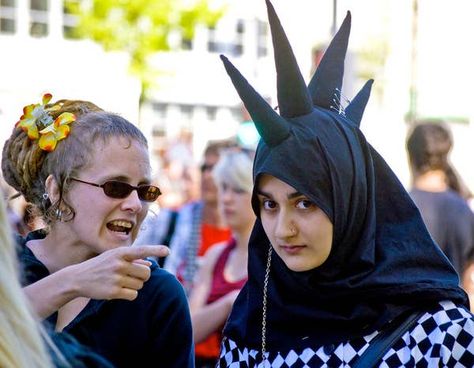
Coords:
443,336
445,315
163,282
214,252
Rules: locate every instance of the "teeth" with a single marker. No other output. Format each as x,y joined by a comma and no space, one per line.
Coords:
122,223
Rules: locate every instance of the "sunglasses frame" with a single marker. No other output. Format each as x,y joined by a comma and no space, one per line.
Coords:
129,186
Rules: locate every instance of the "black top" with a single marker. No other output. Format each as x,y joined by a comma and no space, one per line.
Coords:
154,329
73,354
450,222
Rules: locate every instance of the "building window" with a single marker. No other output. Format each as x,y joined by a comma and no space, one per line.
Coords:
70,20
262,39
186,112
211,112
7,26
212,44
38,29
240,27
39,18
7,16
41,5
160,110
186,44
232,44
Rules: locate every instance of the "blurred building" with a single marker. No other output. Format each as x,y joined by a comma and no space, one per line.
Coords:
193,93
38,57
398,43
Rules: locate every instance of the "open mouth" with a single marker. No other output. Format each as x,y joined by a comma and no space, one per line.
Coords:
120,226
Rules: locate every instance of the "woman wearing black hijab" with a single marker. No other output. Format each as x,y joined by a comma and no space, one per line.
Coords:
339,251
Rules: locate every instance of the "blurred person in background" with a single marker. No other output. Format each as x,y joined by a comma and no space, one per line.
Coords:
160,222
16,209
199,224
87,172
224,266
439,192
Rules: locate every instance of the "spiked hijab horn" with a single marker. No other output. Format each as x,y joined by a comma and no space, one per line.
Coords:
272,127
327,80
355,109
293,95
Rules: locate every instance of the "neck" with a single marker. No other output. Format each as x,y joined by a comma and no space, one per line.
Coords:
431,181
242,236
57,251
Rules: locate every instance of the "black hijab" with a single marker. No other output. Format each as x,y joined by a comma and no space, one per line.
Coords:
382,263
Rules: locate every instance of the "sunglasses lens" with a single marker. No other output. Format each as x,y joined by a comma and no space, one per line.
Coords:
148,193
117,189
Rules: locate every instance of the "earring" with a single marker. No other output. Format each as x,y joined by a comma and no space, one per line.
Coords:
59,214
45,196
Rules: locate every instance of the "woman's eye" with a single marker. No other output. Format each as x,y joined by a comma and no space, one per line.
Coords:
304,204
268,204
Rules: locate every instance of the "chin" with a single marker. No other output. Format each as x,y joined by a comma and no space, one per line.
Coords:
302,267
298,268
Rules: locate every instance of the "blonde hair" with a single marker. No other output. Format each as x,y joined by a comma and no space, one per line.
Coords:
21,342
235,168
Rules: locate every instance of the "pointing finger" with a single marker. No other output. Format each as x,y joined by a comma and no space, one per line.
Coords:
143,251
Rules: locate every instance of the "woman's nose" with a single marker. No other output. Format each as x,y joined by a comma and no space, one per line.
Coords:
285,227
132,202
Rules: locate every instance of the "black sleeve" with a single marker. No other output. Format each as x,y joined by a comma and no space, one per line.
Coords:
172,331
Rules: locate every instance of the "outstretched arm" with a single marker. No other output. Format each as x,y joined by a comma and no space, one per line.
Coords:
115,274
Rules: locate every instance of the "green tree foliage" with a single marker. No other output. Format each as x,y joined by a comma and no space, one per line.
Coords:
140,27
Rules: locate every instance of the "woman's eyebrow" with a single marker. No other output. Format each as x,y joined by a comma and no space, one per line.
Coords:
294,195
126,179
291,195
265,194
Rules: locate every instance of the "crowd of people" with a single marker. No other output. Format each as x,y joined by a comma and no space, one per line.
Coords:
305,251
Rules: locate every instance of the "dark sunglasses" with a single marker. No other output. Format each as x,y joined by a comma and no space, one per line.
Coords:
120,190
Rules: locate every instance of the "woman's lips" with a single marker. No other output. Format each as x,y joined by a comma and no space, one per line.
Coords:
292,249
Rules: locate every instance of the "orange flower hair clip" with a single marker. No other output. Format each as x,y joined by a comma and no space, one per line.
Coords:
36,122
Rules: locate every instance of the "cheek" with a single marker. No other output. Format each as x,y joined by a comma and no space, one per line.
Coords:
267,224
324,236
143,213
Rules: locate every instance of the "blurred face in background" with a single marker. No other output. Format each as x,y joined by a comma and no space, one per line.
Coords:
208,186
235,204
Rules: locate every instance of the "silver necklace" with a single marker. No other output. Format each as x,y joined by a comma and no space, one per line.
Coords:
264,307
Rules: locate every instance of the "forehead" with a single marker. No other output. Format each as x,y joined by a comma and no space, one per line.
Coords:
272,185
120,155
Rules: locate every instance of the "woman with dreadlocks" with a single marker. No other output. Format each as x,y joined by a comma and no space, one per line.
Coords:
87,172
342,271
